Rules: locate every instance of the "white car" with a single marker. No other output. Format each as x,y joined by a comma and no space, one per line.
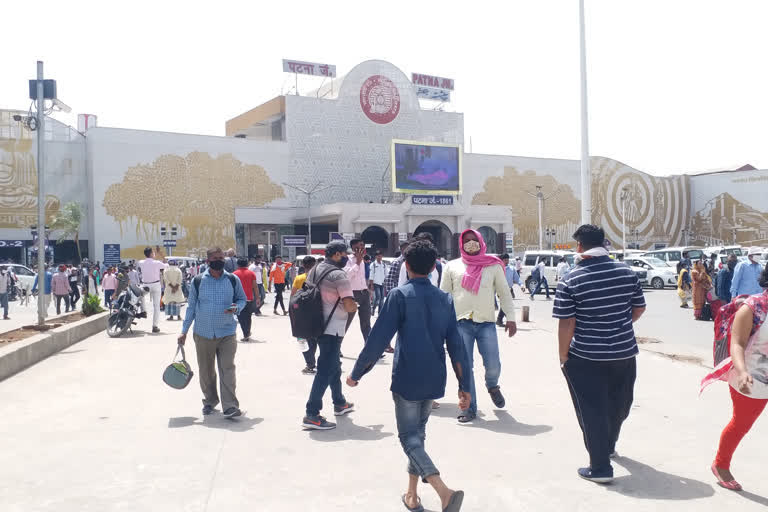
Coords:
659,273
24,274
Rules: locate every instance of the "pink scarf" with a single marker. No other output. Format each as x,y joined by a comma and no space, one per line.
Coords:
475,263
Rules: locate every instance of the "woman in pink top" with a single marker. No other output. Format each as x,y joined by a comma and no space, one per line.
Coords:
109,283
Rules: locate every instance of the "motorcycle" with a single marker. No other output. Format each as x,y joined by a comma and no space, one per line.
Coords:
125,309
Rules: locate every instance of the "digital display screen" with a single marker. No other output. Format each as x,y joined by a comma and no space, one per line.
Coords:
426,167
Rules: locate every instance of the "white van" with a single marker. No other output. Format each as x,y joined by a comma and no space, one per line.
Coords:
674,254
550,259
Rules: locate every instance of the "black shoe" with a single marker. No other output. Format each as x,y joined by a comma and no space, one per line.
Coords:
309,371
599,477
142,314
341,410
317,423
466,417
207,410
232,412
155,330
497,397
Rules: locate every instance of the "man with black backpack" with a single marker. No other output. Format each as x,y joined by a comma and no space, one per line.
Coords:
320,310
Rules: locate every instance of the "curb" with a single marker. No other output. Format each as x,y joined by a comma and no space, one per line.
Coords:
25,353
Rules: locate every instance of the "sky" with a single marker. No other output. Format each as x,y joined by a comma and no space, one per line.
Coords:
674,85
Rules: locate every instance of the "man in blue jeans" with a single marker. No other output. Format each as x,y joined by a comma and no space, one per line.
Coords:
425,321
474,280
338,303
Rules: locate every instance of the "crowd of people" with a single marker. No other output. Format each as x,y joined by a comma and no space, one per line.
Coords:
709,287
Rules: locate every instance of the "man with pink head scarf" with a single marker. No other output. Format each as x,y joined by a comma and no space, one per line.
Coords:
474,280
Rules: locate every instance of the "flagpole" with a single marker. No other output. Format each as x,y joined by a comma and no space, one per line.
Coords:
586,172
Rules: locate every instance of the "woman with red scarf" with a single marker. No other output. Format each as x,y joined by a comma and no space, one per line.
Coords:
473,281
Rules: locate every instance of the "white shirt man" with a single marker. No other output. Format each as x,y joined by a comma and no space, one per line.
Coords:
434,276
151,273
378,272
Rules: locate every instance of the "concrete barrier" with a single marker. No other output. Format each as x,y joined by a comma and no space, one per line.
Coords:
19,355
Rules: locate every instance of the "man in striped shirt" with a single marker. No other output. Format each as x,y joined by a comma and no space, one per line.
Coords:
597,303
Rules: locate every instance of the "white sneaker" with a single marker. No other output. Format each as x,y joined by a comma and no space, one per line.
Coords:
247,338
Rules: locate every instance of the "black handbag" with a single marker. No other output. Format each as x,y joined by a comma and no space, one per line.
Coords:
178,374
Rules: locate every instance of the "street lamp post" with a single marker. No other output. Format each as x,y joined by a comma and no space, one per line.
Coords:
41,310
267,252
624,195
317,188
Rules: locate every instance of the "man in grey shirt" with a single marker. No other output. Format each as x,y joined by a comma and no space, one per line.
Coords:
338,302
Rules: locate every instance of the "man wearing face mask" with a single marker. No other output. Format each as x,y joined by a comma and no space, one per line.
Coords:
725,278
216,297
746,277
338,302
474,280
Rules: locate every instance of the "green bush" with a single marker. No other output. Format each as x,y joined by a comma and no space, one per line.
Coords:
92,305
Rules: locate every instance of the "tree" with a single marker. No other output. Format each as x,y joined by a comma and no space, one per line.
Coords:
68,220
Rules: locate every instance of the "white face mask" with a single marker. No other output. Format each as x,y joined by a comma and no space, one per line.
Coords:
471,246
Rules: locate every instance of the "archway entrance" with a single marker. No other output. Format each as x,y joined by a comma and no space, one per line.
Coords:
441,234
491,238
377,237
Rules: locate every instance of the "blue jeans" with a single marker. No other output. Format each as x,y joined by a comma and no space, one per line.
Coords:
542,283
378,297
328,374
262,296
488,345
411,429
4,303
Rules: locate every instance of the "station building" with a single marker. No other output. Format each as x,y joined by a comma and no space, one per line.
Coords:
241,190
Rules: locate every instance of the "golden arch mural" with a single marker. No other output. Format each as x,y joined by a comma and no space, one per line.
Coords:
196,192
18,185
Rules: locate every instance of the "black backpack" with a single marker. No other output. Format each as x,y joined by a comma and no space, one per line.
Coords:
306,309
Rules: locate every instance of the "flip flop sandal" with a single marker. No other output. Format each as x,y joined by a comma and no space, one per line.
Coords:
418,507
731,485
454,505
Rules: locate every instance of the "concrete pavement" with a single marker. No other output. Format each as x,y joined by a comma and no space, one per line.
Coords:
95,429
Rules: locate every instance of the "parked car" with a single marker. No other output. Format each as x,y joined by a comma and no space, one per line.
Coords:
674,254
551,259
658,273
25,275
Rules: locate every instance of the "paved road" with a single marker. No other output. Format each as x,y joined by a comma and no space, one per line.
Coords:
94,429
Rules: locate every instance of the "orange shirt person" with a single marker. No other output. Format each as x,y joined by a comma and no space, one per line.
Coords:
277,275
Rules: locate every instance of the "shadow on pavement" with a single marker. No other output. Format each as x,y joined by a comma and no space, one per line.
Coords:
646,482
65,352
216,420
760,500
503,424
346,430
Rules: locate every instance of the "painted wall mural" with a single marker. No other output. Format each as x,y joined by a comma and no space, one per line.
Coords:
18,185
197,192
517,190
656,208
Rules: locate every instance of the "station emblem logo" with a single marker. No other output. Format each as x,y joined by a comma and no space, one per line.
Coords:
380,99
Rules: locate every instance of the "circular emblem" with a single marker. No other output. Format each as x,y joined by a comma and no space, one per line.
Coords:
380,99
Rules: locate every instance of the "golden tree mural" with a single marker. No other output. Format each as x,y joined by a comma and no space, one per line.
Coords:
560,212
198,193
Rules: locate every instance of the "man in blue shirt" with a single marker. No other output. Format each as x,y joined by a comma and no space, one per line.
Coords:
216,297
46,297
724,279
424,319
596,304
746,277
